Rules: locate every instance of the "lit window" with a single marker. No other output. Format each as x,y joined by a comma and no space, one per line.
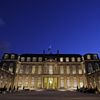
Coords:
61,59
12,56
40,59
78,59
33,69
67,59
73,59
61,69
62,82
73,69
75,82
88,56
34,59
68,82
80,70
28,59
39,69
68,69
50,69
6,56
21,69
22,59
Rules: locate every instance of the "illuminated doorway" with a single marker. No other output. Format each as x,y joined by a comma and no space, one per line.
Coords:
50,83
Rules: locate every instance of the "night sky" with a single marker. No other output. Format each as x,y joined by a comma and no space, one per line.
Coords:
31,26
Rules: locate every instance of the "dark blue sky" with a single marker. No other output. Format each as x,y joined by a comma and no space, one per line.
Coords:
29,26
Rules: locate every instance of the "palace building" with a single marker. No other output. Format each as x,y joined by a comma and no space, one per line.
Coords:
50,71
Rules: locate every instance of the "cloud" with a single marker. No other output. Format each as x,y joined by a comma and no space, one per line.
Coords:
2,22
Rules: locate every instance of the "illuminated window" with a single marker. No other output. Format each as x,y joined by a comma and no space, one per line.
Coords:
73,69
62,82
67,59
80,70
75,82
40,59
21,69
22,59
68,82
6,56
73,59
28,59
88,56
39,69
33,69
50,69
61,59
79,59
34,59
61,69
68,69
33,82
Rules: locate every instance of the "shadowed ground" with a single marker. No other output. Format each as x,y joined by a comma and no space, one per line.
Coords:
49,95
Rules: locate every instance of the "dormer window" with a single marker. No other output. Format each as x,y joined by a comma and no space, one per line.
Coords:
73,59
78,59
88,56
28,59
22,59
67,59
61,59
6,56
95,57
34,59
12,56
40,59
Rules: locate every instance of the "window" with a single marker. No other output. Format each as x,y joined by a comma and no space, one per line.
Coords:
50,69
12,56
34,59
40,59
90,68
28,59
68,82
73,59
33,69
75,82
78,59
95,57
21,69
6,56
61,69
97,66
39,69
68,69
67,59
88,56
80,69
22,59
61,59
62,82
73,69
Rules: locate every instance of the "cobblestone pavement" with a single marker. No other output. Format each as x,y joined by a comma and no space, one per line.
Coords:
49,95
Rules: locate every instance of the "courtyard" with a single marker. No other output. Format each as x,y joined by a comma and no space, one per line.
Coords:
49,95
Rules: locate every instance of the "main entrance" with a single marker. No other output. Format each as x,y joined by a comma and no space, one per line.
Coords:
50,82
